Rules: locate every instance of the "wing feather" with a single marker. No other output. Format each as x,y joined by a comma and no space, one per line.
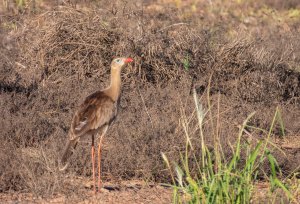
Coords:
97,110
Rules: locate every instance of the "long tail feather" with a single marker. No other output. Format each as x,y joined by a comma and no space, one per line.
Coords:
67,154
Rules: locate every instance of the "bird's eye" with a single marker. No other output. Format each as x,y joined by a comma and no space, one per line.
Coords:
118,60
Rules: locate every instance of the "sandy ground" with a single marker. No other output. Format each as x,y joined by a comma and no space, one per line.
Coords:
129,192
125,194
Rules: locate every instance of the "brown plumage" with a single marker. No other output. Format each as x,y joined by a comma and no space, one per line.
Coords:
97,111
94,116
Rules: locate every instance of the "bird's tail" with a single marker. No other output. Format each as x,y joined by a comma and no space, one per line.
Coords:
67,154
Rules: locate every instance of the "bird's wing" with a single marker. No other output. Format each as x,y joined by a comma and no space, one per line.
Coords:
97,110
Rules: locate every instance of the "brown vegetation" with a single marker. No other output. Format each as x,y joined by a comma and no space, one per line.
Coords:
50,59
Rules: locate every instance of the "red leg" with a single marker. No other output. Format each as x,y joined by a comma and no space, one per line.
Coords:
99,163
93,163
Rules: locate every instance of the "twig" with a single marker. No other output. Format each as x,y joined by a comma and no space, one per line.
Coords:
169,26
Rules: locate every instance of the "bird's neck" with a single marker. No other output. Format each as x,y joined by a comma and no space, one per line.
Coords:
114,88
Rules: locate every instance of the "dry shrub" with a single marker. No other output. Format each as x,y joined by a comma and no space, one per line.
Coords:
289,4
64,55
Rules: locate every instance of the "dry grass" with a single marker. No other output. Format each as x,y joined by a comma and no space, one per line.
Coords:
54,59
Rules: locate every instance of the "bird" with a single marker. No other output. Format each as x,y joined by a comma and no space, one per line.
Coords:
94,116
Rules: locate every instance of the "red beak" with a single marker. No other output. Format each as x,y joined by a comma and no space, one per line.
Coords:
128,60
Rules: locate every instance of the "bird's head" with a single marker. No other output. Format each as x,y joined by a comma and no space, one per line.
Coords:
120,62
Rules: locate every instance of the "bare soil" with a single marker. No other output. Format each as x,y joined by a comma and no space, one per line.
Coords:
53,57
135,192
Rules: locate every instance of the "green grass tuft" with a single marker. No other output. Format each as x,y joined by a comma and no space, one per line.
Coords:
221,180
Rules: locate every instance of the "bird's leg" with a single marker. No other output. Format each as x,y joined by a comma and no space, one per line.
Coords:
93,163
99,163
